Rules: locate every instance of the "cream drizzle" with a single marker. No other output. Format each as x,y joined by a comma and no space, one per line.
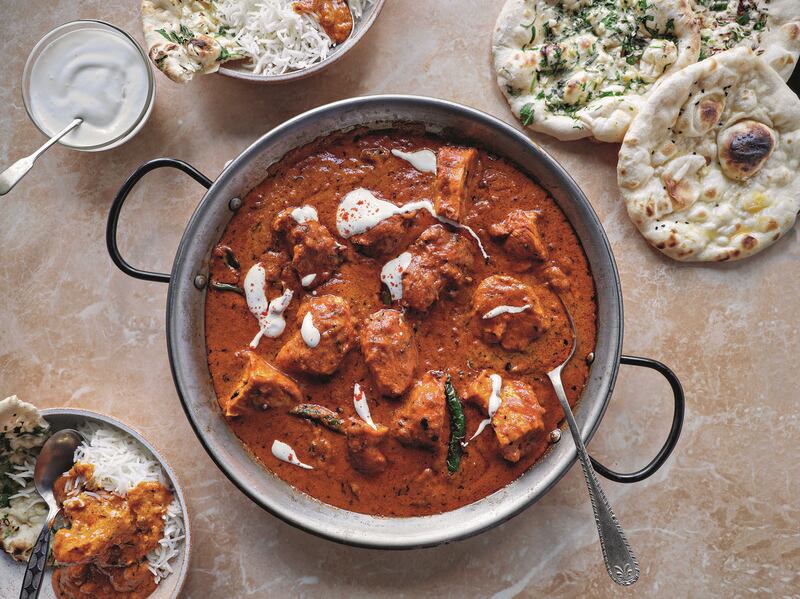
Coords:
392,274
269,314
361,405
308,280
422,160
304,214
309,332
359,211
494,403
285,453
505,310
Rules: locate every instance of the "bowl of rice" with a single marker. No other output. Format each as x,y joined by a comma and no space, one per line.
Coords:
283,45
120,462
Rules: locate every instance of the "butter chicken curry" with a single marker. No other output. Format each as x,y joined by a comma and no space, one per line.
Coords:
102,552
381,315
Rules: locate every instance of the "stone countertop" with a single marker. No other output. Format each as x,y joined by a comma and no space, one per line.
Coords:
719,519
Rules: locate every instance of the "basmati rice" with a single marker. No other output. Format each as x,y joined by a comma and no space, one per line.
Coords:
277,38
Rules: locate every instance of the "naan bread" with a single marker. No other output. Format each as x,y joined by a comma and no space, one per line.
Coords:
769,27
581,68
709,169
22,512
184,38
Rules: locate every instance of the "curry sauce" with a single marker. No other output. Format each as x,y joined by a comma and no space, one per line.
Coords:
102,549
399,352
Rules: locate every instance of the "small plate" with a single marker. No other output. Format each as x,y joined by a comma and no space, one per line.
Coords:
368,17
11,572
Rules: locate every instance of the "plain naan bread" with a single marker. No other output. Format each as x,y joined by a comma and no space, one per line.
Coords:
184,38
581,68
709,167
769,27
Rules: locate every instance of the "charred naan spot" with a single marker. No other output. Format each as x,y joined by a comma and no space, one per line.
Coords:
709,111
744,148
681,192
701,113
772,225
711,192
749,242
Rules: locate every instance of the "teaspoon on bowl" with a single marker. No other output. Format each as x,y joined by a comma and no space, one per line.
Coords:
619,559
11,176
55,458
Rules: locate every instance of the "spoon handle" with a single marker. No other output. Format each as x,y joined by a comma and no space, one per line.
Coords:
619,559
11,176
31,584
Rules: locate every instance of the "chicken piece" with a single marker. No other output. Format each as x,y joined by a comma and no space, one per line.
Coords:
87,581
521,235
148,502
330,316
386,238
72,481
439,260
314,250
390,351
333,16
263,386
136,578
363,441
517,423
454,169
98,523
497,302
420,421
107,529
363,446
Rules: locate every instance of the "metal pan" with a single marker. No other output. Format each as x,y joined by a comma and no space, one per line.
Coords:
186,339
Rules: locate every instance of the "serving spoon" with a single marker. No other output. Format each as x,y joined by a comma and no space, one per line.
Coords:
11,176
619,559
55,458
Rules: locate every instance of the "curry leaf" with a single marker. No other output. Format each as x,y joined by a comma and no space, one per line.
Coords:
226,287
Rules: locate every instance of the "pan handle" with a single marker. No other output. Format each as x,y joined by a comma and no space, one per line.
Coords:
674,433
116,208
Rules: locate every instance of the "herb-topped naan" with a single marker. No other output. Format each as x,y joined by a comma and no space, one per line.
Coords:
22,512
581,68
710,168
769,27
185,38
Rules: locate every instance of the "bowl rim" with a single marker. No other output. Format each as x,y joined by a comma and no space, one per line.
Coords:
183,571
192,379
359,31
75,25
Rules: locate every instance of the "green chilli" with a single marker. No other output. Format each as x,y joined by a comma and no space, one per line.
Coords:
458,426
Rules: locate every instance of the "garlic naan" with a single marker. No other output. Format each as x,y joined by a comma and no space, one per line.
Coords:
581,68
771,28
710,167
184,38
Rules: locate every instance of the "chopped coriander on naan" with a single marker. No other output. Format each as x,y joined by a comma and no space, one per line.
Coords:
581,68
185,38
771,28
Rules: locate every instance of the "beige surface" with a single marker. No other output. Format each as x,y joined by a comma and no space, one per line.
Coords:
720,519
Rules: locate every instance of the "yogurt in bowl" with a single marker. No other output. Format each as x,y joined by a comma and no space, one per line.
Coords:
91,70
